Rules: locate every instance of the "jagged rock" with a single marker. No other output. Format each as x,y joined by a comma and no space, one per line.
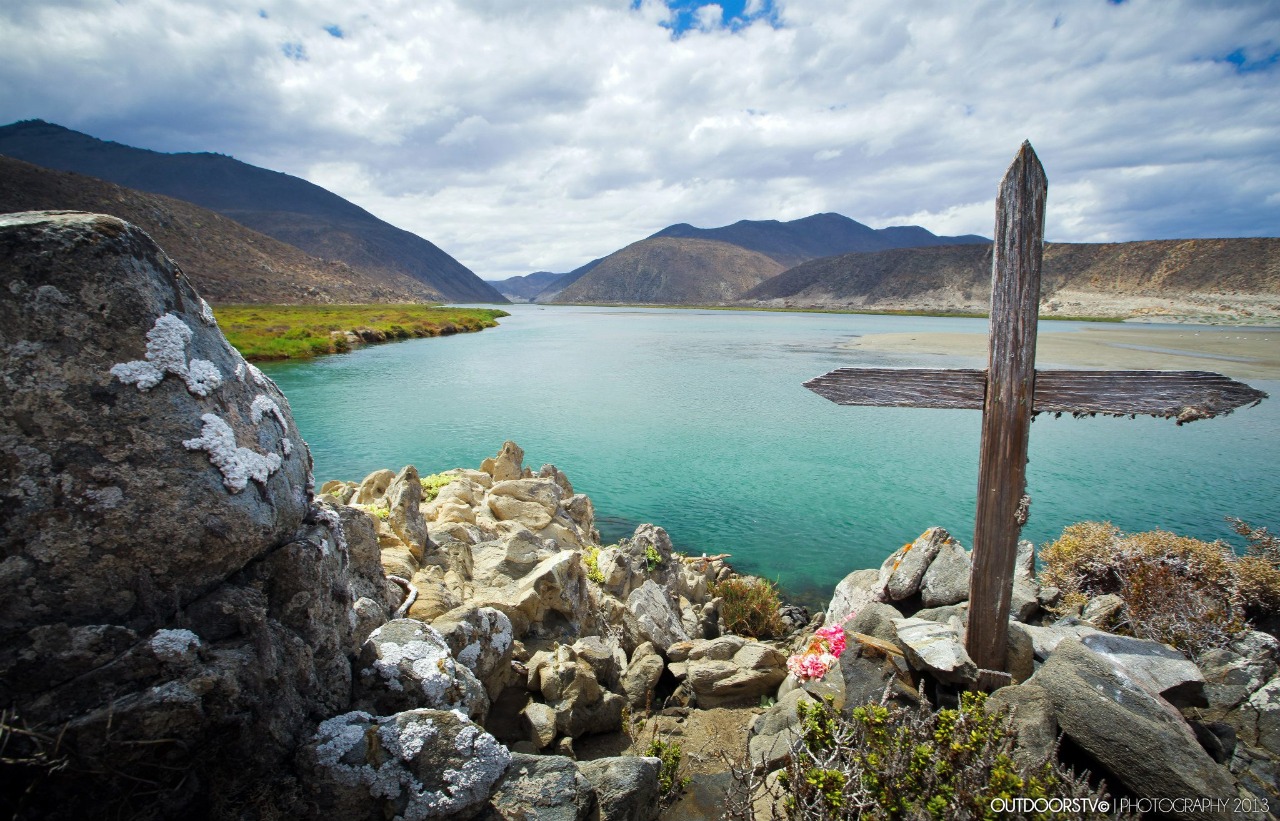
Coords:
1024,565
539,721
557,584
603,656
570,687
626,787
875,619
1025,599
642,676
1032,715
543,492
853,593
510,509
418,764
1158,667
657,620
947,579
829,688
404,500
720,649
1259,718
1222,666
1046,638
867,676
556,475
174,605
541,788
406,665
1140,738
481,639
902,573
773,731
1102,611
1019,647
756,669
936,648
581,511
506,465
374,487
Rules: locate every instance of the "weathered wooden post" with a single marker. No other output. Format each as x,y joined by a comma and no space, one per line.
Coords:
1006,412
1010,392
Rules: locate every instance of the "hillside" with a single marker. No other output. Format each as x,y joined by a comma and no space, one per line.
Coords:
819,235
525,288
227,262
670,271
1221,279
287,208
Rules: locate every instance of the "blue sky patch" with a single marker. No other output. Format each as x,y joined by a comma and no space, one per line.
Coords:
1246,64
734,14
295,51
334,31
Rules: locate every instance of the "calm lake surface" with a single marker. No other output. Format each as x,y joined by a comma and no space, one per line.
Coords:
698,421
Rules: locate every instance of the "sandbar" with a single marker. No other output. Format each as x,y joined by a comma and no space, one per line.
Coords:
1238,352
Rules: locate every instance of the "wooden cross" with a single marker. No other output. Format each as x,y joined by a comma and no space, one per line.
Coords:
1010,391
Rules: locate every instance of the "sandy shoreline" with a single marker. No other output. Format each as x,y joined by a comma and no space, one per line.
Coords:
1239,352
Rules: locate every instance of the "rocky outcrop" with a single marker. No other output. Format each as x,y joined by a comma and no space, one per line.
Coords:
177,612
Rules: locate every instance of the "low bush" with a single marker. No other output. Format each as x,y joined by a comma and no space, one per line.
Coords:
591,558
431,485
895,762
749,607
1215,592
670,782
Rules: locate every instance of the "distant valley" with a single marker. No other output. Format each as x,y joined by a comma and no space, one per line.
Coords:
286,208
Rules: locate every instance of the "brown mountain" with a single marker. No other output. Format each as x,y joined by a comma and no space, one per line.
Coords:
671,271
282,206
1225,279
227,262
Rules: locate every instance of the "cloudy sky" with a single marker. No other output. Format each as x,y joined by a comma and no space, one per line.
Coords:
524,135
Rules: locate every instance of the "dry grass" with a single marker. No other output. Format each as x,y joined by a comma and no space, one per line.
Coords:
749,607
1192,594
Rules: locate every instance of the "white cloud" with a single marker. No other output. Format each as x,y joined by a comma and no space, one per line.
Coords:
526,136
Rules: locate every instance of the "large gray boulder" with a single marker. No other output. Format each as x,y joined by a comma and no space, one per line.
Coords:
774,731
541,788
754,669
853,593
626,787
937,648
658,620
406,665
174,604
1031,710
947,579
642,675
1140,738
1158,667
481,639
420,764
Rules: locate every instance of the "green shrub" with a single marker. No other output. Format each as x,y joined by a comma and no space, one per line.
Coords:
894,762
431,485
749,607
378,512
670,782
1216,591
591,558
652,557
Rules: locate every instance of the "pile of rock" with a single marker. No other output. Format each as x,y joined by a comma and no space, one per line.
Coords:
1154,723
186,627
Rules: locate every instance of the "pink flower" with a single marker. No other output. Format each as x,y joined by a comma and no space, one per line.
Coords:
821,655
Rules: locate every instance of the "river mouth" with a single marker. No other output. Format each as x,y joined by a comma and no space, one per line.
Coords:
698,421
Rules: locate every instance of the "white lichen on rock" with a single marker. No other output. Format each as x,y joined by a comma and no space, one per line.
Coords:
206,314
238,465
286,446
240,371
264,405
167,353
174,645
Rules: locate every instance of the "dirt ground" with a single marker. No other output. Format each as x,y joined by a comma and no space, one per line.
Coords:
705,738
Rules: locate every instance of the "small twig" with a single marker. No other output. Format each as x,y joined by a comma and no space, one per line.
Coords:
410,595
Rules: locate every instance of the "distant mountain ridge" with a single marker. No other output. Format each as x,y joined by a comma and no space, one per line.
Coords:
226,261
287,208
715,265
1231,279
671,271
525,288
815,236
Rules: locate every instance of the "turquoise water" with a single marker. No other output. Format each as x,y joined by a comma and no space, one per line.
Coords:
698,421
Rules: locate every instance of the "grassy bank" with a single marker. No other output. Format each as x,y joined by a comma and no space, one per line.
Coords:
302,331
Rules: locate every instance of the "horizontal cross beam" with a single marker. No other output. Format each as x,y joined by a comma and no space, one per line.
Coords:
1182,395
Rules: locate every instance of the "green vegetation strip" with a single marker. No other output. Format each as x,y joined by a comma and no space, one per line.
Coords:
302,331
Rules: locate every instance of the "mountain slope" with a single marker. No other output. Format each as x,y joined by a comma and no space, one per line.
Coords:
671,271
227,262
525,288
1223,278
819,235
288,208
